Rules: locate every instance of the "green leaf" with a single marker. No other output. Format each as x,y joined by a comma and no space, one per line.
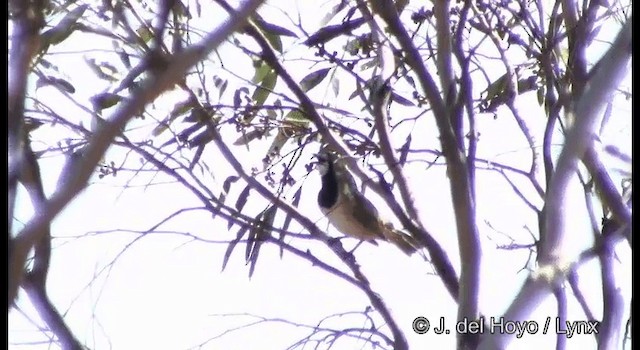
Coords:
262,92
251,242
104,100
527,84
63,29
564,55
179,109
401,100
57,82
288,218
272,32
373,62
124,58
201,139
160,128
220,84
198,114
48,65
337,8
226,185
227,254
296,115
404,151
294,124
180,9
196,159
272,28
540,95
278,142
328,33
102,69
258,235
237,96
261,73
242,200
496,87
144,33
64,85
335,85
274,40
313,79
245,138
358,92
352,47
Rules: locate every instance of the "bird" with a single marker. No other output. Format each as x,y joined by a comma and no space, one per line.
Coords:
349,211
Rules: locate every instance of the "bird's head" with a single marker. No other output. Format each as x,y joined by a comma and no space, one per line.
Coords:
324,162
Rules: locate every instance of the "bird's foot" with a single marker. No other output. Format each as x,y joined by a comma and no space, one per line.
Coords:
336,246
333,242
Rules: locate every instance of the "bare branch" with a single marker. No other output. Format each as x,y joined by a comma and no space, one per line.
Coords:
540,285
35,283
607,76
463,201
27,22
572,278
380,99
175,70
551,272
445,66
561,299
613,302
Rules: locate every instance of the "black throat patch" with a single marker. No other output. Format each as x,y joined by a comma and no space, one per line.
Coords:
328,195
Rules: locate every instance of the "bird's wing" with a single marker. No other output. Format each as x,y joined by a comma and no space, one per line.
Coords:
361,208
366,213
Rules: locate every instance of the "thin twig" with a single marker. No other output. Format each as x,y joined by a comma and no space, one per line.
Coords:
163,79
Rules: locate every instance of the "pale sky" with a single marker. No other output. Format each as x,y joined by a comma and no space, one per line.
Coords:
167,291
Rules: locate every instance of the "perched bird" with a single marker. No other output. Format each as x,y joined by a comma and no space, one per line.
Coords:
349,211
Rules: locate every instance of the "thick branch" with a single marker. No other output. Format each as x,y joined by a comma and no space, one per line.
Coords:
605,186
540,285
380,99
463,201
551,272
613,302
611,69
36,280
561,299
27,22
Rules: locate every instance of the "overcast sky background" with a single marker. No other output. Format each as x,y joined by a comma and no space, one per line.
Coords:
167,292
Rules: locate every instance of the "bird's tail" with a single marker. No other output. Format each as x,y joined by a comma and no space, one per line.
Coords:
406,243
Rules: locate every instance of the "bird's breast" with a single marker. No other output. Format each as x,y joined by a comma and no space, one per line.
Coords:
341,217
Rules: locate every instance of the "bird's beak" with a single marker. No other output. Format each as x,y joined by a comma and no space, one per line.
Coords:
316,160
319,158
